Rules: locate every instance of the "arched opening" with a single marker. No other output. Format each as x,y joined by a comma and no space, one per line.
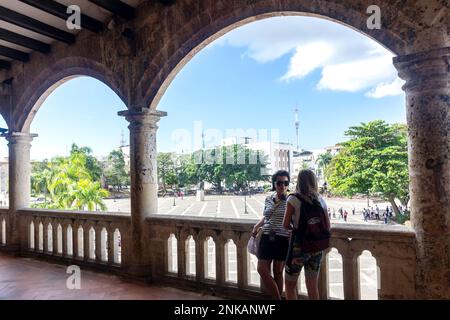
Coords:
252,81
41,236
104,244
117,247
369,276
31,236
69,244
190,256
210,258
80,234
49,238
230,261
335,274
172,254
92,243
59,239
252,268
83,170
301,284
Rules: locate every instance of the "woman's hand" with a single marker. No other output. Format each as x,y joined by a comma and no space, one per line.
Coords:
255,230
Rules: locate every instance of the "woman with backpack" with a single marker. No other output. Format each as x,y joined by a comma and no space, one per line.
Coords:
274,241
306,215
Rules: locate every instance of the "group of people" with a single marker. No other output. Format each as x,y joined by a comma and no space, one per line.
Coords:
374,214
283,247
343,214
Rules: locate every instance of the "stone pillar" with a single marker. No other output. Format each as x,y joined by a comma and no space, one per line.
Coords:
19,183
350,270
427,88
144,183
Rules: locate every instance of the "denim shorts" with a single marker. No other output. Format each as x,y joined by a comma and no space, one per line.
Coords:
297,259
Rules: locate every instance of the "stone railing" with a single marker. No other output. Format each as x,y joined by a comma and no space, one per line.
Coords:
392,247
95,239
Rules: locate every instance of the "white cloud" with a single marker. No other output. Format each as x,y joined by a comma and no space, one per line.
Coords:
349,61
383,90
356,75
316,54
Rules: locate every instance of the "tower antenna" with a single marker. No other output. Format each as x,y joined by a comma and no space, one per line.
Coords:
297,125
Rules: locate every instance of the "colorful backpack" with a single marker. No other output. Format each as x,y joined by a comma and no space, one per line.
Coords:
312,232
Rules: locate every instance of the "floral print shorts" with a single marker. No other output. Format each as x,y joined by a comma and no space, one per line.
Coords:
297,259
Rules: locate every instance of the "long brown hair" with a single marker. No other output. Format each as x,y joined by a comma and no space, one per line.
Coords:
307,186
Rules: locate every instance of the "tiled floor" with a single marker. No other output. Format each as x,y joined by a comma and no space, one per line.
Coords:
28,279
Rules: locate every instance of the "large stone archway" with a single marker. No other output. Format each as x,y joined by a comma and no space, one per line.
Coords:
50,79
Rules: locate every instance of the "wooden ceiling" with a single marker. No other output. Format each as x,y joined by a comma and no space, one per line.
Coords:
34,25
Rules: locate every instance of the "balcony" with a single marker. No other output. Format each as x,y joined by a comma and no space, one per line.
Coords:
192,253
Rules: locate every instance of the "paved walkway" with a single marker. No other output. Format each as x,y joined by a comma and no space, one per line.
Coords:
233,207
29,279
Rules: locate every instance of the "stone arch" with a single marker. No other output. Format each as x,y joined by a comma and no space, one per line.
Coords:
49,79
191,34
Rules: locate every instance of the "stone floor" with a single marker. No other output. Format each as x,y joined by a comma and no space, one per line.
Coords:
29,279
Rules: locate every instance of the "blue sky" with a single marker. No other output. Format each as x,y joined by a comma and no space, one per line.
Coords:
251,78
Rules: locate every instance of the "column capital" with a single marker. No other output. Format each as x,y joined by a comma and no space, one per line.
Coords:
425,71
143,116
17,137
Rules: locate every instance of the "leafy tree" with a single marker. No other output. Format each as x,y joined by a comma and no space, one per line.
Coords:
92,164
69,183
115,173
373,162
166,170
324,159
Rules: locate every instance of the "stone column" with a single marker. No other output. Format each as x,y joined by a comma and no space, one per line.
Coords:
19,183
427,90
144,182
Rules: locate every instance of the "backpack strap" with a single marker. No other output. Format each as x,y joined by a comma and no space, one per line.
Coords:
301,227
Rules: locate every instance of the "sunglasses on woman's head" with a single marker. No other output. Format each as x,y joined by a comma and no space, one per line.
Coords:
282,183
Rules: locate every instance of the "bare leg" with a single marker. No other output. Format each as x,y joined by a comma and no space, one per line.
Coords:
312,285
269,282
291,290
278,268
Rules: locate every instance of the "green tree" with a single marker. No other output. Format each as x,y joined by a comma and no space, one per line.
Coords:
92,164
235,165
166,170
69,184
373,162
115,173
324,159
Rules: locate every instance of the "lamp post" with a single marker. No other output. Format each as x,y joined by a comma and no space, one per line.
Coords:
245,199
174,196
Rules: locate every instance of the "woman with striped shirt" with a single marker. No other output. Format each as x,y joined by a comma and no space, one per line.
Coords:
275,239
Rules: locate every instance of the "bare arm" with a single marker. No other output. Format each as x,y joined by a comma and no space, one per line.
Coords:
288,216
257,226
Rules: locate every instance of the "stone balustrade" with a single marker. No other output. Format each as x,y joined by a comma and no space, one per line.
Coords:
103,241
392,247
83,238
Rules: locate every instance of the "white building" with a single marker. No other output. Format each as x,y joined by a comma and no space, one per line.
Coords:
308,159
279,155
